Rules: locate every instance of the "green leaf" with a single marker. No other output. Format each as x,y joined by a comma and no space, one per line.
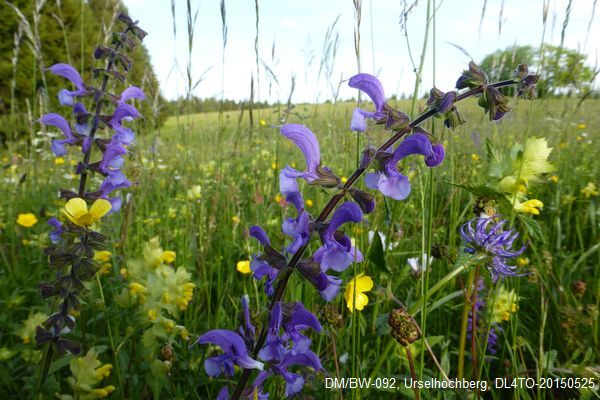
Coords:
377,253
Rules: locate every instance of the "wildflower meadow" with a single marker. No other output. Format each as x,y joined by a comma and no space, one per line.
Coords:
158,241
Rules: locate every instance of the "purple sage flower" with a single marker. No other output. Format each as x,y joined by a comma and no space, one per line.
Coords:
486,236
374,89
235,353
267,264
389,181
55,235
315,174
297,228
283,350
337,251
66,97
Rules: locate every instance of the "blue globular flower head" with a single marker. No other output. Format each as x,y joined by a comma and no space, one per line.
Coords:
337,251
389,181
485,236
315,174
299,228
267,264
66,97
287,346
234,349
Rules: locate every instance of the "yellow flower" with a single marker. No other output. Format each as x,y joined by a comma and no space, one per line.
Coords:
152,314
273,165
243,267
279,198
235,219
475,157
581,126
359,300
554,178
309,203
522,261
344,179
27,220
102,256
103,371
136,288
262,122
590,190
506,303
103,392
27,332
59,161
530,206
168,256
77,211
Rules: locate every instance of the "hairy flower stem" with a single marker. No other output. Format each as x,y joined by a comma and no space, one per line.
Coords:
464,324
411,364
474,324
95,120
335,199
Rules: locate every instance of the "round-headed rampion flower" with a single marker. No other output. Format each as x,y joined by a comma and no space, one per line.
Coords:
337,251
77,211
486,237
389,181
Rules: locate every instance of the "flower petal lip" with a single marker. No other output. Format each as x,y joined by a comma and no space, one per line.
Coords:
132,92
347,212
58,121
67,71
306,141
371,86
259,234
232,344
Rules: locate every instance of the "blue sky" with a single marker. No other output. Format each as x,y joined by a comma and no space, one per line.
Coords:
296,30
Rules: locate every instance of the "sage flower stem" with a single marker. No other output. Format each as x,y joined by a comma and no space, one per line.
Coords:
331,204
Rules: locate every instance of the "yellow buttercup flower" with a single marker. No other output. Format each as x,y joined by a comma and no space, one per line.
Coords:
581,126
243,267
77,211
590,190
359,300
309,203
554,178
344,179
532,206
59,161
262,122
475,157
27,220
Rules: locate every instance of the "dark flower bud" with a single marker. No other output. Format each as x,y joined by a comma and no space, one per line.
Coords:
312,272
365,200
526,83
473,78
132,25
367,156
102,52
453,119
403,329
326,178
494,103
395,120
441,251
435,95
579,288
